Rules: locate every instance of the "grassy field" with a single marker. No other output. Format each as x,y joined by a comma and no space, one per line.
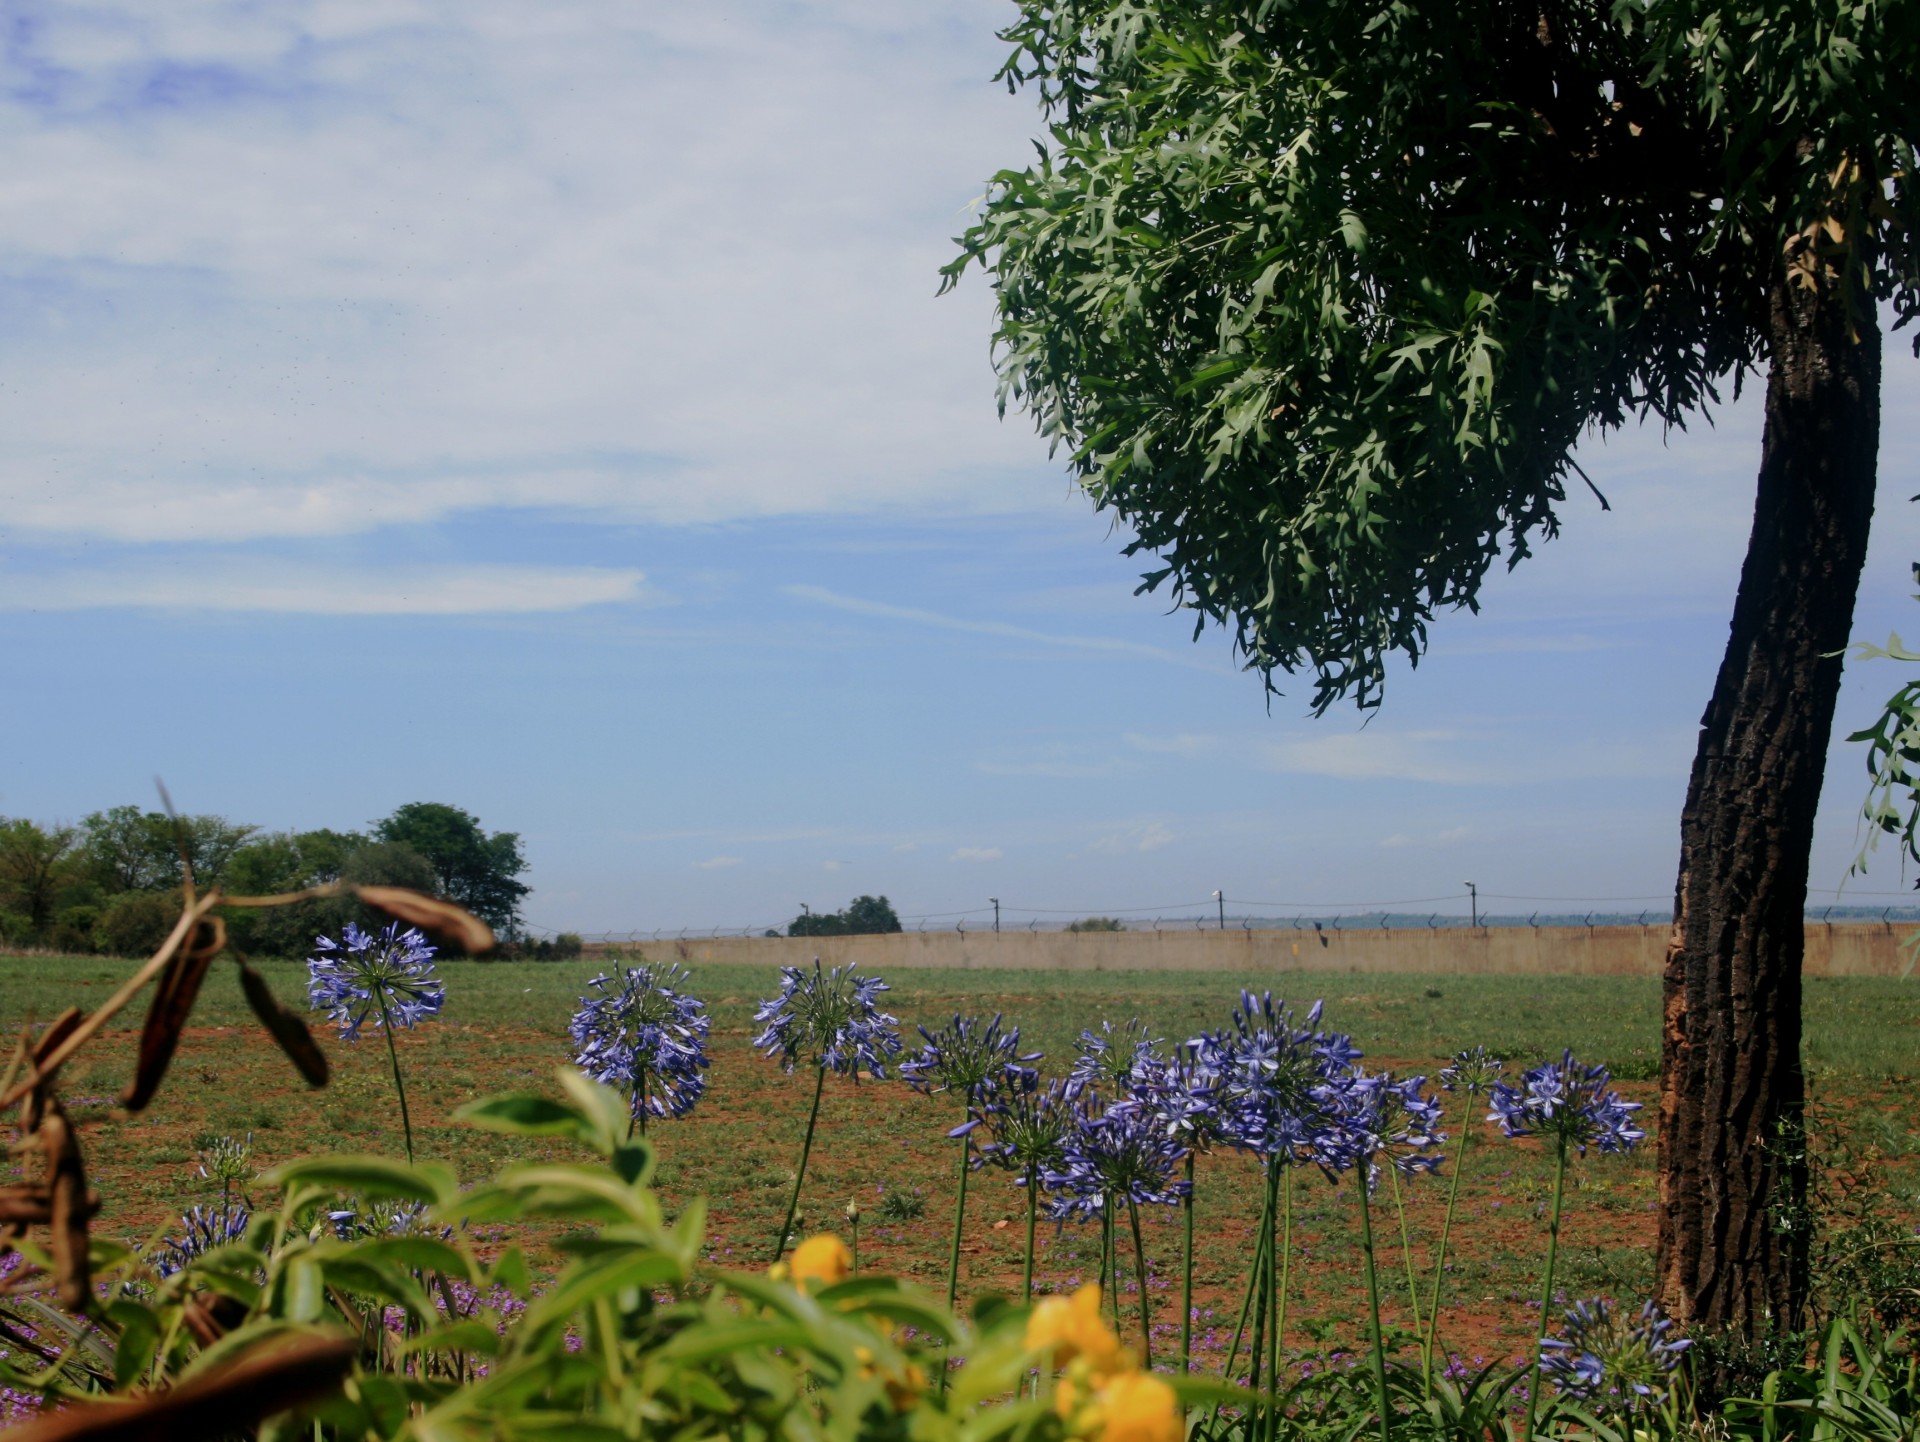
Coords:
880,1144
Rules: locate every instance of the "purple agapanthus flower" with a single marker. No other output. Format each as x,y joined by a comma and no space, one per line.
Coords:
1604,1354
829,1019
1114,1061
1567,1101
1472,1071
1024,1126
1113,1155
642,1034
203,1230
386,979
1371,1119
1269,1069
968,1058
1182,1093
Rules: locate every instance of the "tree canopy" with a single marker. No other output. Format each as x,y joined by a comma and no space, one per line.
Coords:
863,916
1319,296
477,869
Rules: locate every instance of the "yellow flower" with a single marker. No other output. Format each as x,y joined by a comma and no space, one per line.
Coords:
1134,1407
903,1388
823,1259
1071,1329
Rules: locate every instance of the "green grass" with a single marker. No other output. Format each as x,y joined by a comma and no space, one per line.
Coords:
504,1028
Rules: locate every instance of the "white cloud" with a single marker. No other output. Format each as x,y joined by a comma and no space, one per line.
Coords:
1400,839
833,866
223,584
339,265
714,863
976,853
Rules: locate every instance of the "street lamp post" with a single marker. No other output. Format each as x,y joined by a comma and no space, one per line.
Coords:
1473,894
1221,901
996,912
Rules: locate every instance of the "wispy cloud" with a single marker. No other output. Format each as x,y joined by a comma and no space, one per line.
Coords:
1143,836
226,585
913,615
715,863
1185,744
976,853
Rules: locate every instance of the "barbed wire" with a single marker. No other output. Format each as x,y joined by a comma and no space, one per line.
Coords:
1212,913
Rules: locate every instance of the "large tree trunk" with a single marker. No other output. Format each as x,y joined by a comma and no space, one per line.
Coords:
1733,1180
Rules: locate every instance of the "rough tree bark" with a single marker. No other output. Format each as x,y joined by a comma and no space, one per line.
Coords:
1733,1181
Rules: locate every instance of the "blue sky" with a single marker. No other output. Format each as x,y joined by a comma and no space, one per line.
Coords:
548,410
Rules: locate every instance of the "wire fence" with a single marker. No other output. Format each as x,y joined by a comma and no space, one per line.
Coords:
1219,912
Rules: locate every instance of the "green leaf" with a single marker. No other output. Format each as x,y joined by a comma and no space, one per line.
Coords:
372,1177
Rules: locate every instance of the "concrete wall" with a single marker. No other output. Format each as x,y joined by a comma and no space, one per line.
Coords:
1871,949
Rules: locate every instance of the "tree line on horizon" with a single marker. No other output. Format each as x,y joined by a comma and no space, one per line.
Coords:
111,882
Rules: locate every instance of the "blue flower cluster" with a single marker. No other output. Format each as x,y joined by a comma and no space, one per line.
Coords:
642,1034
1567,1101
831,1019
1115,1062
1272,1077
205,1228
1027,1127
1112,1156
1370,1118
1605,1355
1472,1071
972,1060
386,979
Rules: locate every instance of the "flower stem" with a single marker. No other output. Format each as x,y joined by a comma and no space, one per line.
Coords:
1546,1290
1109,1263
1406,1250
1140,1268
1279,1302
1033,1216
638,1114
1260,1244
1440,1260
1263,1272
959,1215
799,1177
1373,1300
1186,1268
393,1055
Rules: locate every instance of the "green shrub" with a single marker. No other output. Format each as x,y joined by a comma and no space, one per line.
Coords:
135,924
1097,923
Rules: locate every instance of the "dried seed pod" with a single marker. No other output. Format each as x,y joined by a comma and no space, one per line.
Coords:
286,1028
172,1004
67,1214
33,1106
446,923
270,1379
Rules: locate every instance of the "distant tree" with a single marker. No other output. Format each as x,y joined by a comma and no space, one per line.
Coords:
36,865
133,850
477,870
864,916
293,861
136,922
870,916
1096,923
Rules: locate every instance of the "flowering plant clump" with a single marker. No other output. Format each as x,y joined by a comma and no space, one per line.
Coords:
642,1034
1025,1126
830,1019
387,979
1115,1061
1569,1102
203,1230
1628,1363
